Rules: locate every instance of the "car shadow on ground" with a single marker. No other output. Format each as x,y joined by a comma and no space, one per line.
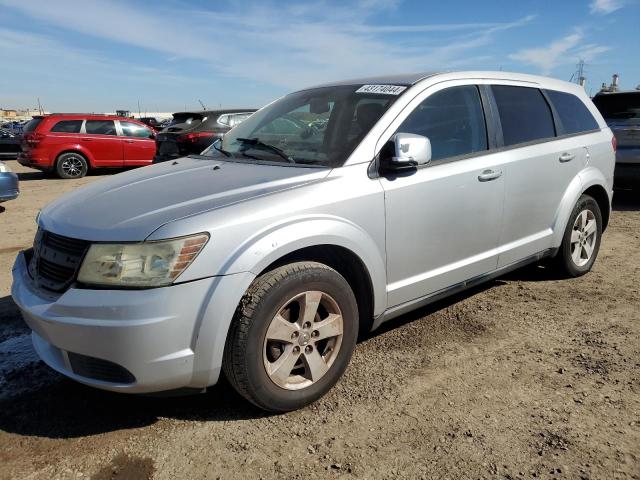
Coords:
62,408
626,200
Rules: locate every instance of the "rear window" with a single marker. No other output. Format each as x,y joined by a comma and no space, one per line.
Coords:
574,115
32,125
100,127
619,106
188,118
67,126
524,114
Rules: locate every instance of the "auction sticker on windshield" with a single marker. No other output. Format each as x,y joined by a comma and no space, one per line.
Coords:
382,89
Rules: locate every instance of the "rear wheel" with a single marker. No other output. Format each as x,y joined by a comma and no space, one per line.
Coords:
292,336
581,241
71,165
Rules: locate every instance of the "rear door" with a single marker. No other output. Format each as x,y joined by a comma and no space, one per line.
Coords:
139,143
101,138
538,172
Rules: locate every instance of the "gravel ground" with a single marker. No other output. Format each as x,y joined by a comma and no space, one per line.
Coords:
529,376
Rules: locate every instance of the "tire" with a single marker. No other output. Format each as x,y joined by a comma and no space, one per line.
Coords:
71,165
581,243
254,343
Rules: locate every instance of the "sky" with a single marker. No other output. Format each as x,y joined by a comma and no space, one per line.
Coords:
166,55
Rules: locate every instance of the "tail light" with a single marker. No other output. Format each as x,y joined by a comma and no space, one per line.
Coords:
194,137
33,139
614,143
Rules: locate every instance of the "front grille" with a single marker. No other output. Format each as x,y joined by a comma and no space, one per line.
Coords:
56,260
98,369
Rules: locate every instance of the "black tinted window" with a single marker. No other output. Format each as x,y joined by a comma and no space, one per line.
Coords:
100,127
67,126
574,115
452,119
524,114
32,125
131,129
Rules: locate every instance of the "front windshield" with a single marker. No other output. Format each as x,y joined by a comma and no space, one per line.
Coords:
320,127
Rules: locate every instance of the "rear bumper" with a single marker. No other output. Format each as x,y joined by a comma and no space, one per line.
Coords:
149,334
34,159
9,186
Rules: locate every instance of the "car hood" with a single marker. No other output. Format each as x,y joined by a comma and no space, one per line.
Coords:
131,205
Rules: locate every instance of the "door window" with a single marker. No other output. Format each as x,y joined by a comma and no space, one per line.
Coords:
452,119
100,127
130,129
67,126
574,115
524,114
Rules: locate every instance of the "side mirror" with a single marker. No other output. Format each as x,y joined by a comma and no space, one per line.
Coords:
410,150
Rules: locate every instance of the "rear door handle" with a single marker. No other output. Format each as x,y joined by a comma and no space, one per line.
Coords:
489,175
87,139
566,157
129,141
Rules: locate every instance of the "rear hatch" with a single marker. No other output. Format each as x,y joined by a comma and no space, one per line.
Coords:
30,136
622,113
171,139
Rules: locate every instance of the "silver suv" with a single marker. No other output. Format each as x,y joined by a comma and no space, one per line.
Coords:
323,215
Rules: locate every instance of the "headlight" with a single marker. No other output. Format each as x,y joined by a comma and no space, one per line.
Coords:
147,264
4,167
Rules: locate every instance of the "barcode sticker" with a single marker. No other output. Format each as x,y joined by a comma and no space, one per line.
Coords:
382,89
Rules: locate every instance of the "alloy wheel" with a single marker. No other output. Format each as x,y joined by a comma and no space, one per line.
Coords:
72,166
303,340
583,237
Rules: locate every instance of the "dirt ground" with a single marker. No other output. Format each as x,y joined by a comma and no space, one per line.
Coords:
529,376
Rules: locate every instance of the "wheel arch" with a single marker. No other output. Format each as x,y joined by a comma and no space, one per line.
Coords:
599,194
73,149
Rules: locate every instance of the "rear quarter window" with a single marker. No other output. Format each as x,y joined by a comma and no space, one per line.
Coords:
67,126
524,114
574,115
32,125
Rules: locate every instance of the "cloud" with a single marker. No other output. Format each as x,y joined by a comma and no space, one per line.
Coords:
567,49
288,46
605,6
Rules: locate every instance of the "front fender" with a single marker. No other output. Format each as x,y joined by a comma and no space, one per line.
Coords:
275,241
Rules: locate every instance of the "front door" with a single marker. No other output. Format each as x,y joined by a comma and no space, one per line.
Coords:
139,144
443,219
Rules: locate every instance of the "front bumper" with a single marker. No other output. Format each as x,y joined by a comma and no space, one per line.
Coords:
153,333
9,186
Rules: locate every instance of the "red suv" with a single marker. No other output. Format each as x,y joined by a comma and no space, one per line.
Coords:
71,144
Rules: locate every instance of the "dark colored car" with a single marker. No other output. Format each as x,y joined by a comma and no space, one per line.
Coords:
9,144
621,111
9,188
71,143
151,122
192,132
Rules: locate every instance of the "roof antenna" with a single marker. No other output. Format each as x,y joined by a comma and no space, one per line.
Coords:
203,107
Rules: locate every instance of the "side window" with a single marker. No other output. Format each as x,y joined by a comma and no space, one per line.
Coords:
452,119
130,129
524,114
100,127
67,126
574,114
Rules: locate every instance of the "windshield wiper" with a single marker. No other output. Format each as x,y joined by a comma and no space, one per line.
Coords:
257,142
226,154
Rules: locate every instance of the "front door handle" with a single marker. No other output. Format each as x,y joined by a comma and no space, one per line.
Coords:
129,141
87,139
566,157
489,175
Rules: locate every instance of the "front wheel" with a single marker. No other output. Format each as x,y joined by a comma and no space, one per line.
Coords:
581,241
71,165
292,336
